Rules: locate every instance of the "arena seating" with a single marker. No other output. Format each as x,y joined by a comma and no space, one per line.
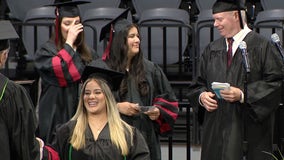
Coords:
175,35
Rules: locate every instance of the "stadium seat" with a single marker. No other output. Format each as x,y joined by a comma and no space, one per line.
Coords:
165,36
142,5
272,4
37,28
99,4
271,19
19,8
204,30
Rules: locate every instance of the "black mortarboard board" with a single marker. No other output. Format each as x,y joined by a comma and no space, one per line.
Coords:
7,32
68,8
114,26
99,69
118,23
229,5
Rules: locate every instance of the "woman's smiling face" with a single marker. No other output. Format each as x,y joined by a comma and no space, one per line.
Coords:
133,42
94,98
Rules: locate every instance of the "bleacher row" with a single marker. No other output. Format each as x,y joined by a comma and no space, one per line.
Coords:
173,34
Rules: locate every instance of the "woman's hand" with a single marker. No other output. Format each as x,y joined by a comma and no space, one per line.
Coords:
128,108
153,113
73,33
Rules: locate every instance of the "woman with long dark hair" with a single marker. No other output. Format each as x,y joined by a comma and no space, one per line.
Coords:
146,99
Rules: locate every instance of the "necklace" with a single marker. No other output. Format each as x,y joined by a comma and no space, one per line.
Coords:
96,124
99,129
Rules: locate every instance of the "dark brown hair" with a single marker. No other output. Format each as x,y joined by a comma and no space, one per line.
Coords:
118,61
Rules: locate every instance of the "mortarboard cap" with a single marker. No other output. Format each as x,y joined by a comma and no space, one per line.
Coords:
229,5
99,69
7,32
68,8
114,27
118,23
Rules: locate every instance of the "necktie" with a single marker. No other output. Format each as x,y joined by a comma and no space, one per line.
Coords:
229,52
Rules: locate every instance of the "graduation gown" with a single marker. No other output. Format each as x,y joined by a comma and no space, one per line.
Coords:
60,72
100,149
160,95
17,123
223,128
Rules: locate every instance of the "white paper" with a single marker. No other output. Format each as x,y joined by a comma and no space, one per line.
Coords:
217,86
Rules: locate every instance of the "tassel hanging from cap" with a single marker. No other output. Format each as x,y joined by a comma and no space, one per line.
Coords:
56,25
107,50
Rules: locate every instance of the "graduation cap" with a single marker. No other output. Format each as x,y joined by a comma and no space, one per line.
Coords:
68,8
112,28
7,32
229,5
115,25
100,70
65,8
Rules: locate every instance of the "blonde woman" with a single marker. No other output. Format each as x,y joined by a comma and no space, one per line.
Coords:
96,131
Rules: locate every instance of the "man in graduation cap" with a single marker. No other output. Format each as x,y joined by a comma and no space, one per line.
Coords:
237,117
60,63
18,122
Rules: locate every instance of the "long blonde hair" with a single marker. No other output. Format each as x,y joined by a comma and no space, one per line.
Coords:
119,130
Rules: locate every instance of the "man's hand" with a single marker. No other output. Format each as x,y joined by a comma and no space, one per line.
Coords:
231,95
208,101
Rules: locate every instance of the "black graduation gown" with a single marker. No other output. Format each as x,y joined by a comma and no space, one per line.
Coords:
161,95
17,123
100,149
222,129
60,72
